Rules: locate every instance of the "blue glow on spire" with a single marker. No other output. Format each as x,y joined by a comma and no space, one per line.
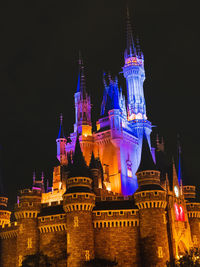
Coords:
179,167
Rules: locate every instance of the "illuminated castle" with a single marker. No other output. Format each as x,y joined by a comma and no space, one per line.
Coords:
113,195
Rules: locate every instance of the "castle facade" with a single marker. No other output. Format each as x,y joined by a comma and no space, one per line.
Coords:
113,196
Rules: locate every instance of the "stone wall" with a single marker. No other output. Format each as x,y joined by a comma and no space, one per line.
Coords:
116,237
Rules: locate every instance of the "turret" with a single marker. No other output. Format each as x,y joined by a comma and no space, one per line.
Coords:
96,172
83,123
134,74
150,198
193,211
61,144
38,184
26,211
78,203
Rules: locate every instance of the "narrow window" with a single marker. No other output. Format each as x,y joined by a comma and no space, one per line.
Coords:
87,255
76,221
29,243
160,252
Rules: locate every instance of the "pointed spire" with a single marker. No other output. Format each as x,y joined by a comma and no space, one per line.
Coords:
34,177
81,85
104,79
93,162
79,167
174,174
179,161
42,176
61,131
146,162
130,47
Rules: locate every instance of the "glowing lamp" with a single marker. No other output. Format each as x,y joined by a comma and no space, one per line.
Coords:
176,191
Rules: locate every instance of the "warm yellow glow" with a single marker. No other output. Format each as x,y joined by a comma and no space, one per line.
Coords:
108,186
129,172
98,126
86,130
53,196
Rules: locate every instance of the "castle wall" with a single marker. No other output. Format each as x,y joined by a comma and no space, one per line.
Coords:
116,237
54,245
153,227
8,252
109,156
194,221
27,238
53,238
80,245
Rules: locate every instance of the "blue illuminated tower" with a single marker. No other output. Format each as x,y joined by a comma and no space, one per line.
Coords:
134,74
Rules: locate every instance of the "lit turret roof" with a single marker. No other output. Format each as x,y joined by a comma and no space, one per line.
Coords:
146,162
78,167
61,130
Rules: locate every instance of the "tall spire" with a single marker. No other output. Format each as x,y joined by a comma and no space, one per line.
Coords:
179,162
174,173
81,86
130,46
61,130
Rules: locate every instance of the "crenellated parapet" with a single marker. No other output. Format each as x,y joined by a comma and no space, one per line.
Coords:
115,218
9,230
148,199
193,212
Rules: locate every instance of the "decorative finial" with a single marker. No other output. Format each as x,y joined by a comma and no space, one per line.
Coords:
34,177
61,118
104,79
130,43
42,176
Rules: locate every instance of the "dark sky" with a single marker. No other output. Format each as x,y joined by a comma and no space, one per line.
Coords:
39,47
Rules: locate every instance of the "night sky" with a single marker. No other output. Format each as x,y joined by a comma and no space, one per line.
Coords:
39,47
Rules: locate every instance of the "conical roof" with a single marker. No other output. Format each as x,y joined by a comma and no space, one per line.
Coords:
146,162
130,46
81,85
79,167
93,162
61,130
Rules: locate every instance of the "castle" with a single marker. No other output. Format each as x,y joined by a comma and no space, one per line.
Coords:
113,196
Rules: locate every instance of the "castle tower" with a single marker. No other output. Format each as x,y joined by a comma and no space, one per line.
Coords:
150,198
193,211
96,172
83,123
61,144
4,212
134,74
26,211
78,203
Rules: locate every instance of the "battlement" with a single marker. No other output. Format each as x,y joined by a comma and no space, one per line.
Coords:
116,223
151,199
28,192
189,191
8,230
79,181
117,214
193,210
52,203
8,226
